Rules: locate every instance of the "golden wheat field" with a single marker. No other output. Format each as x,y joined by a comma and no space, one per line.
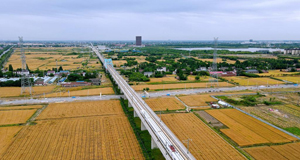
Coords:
177,86
6,136
287,151
202,78
82,109
164,79
15,116
276,73
86,92
219,60
197,100
245,130
244,81
290,79
161,104
16,91
45,58
76,138
205,144
20,107
119,63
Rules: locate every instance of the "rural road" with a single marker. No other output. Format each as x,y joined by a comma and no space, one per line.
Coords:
151,94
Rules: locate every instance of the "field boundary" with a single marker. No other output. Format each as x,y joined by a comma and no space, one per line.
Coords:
261,120
187,108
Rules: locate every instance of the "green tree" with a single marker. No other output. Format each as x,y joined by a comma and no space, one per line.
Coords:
197,78
75,77
51,75
41,74
60,69
10,68
1,74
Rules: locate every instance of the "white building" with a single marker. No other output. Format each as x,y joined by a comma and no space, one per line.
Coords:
162,69
295,51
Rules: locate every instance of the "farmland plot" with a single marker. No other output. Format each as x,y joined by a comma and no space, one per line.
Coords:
205,144
164,79
45,58
197,100
244,81
276,73
86,92
16,91
285,116
286,151
82,109
160,104
245,130
77,138
15,116
6,136
290,79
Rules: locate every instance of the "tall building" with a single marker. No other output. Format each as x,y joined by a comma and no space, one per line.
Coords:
138,40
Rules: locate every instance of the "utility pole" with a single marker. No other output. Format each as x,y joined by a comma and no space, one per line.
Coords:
214,68
25,79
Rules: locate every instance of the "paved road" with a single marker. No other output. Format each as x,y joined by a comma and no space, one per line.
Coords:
205,90
5,52
151,94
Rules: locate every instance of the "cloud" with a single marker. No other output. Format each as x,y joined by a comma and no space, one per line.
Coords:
155,19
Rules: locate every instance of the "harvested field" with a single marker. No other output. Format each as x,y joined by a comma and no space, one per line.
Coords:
205,144
290,79
244,81
285,116
86,92
209,119
197,100
20,107
286,151
273,73
16,91
177,86
15,116
245,130
6,136
82,109
162,104
76,138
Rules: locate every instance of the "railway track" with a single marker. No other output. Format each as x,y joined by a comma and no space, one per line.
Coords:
169,143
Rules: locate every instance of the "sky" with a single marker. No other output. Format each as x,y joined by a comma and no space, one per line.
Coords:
151,19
